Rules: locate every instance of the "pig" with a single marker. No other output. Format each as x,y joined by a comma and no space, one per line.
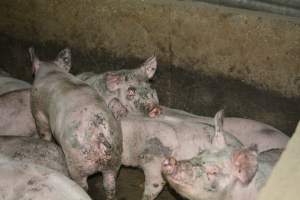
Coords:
127,91
35,151
221,172
22,180
8,83
247,131
66,108
15,114
148,141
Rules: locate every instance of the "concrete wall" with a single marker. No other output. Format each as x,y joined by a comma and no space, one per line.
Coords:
285,179
259,49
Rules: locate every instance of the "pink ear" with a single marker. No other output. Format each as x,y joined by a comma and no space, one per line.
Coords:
218,140
34,59
148,69
113,81
244,164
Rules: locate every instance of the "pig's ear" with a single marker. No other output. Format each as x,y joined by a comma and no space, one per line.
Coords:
113,81
244,162
34,60
218,139
63,59
148,68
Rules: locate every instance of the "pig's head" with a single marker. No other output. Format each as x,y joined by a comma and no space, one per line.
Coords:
214,172
62,62
132,91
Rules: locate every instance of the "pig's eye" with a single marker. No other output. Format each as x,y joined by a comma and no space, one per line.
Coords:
131,93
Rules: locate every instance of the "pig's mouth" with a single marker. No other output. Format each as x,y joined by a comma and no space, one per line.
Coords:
154,111
172,172
169,166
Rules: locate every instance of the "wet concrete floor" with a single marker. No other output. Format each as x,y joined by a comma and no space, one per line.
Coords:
177,88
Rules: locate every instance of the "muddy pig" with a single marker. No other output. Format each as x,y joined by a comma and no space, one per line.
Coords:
127,90
148,141
79,120
22,180
34,151
221,173
8,83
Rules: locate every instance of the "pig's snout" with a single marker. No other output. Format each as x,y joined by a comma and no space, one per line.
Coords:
169,166
154,111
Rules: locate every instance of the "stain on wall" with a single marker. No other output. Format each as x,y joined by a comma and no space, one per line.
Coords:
257,48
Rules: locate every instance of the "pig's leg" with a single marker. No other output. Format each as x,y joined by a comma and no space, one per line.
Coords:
154,182
76,170
42,126
109,184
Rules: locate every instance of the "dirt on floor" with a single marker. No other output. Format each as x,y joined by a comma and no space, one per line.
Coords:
177,88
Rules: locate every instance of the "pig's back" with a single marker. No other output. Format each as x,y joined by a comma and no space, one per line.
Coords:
36,151
21,180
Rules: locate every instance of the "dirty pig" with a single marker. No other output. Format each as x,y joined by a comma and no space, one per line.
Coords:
148,141
66,108
222,172
23,180
126,90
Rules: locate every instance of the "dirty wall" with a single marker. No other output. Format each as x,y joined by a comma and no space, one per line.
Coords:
257,48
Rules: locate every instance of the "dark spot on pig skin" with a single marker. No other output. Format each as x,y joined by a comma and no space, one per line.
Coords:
18,155
98,120
268,131
156,148
155,185
36,189
21,101
136,103
31,182
76,124
212,187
